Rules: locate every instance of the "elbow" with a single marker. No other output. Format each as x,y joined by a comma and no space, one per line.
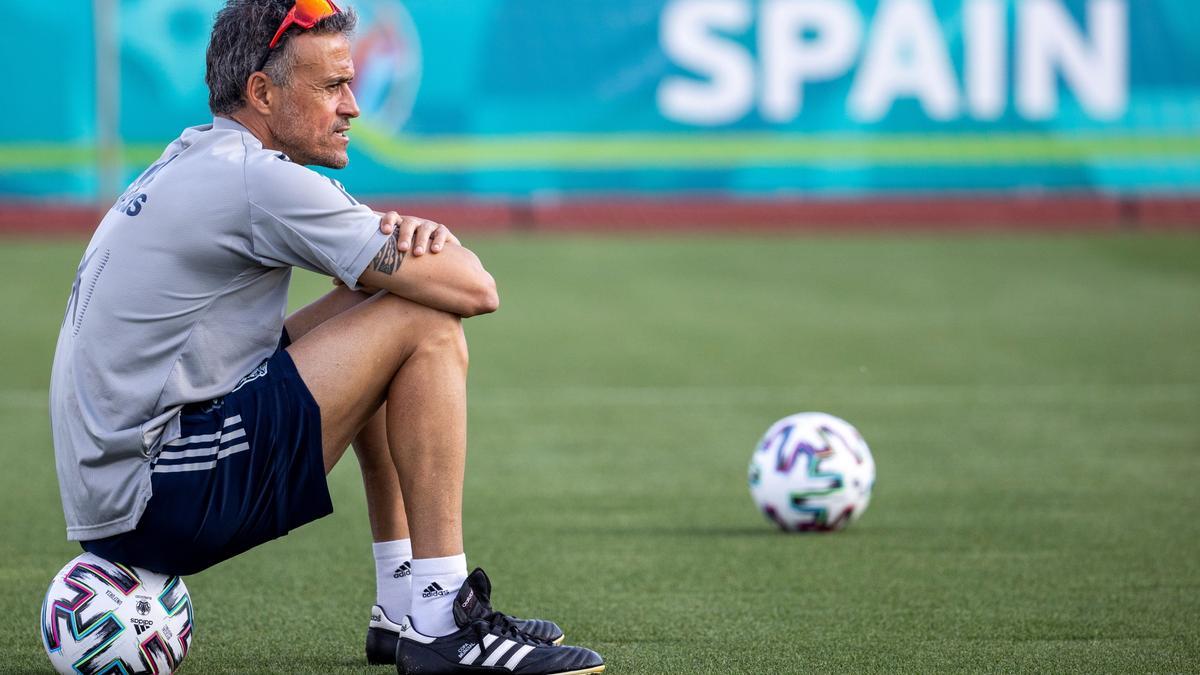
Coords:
488,302
485,299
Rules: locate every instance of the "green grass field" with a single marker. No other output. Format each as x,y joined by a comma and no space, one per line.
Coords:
1033,404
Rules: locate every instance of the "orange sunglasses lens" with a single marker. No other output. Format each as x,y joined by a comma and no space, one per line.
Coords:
306,14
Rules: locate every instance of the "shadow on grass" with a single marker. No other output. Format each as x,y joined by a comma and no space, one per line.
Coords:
686,531
301,662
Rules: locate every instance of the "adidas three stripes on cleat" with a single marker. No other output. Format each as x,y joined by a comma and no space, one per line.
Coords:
487,641
480,647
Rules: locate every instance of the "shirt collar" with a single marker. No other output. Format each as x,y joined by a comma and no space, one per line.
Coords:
229,124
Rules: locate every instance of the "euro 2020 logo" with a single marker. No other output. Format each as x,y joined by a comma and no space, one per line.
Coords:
387,61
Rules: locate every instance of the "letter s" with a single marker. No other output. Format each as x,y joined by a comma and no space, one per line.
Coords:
687,31
135,206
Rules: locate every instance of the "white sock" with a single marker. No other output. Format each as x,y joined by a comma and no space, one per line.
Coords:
393,577
435,583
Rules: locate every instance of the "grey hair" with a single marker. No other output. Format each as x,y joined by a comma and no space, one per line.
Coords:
239,45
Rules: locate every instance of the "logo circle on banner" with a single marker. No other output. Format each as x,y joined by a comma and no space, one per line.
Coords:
387,62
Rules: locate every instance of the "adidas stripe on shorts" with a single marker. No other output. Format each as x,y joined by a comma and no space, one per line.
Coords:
246,469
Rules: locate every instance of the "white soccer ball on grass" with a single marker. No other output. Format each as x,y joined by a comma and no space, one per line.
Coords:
812,472
103,617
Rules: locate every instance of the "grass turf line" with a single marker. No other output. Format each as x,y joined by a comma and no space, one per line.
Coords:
1031,402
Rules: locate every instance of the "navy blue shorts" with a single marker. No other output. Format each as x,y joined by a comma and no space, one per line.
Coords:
246,469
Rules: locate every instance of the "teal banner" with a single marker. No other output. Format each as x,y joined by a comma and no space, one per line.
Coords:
746,98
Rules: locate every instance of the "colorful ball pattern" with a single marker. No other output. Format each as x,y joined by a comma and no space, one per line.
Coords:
812,472
104,617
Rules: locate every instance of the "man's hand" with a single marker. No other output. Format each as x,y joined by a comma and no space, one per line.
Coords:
417,235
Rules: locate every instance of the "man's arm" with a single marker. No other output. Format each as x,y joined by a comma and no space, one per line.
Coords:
453,280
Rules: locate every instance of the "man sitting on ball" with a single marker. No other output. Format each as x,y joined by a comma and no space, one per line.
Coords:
192,421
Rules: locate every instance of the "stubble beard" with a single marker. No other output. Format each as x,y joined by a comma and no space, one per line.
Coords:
299,145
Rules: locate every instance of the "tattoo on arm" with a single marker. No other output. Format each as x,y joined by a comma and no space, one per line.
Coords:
389,257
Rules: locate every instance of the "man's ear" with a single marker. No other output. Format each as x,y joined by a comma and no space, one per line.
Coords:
259,92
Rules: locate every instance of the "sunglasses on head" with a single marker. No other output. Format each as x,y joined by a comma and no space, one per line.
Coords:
305,14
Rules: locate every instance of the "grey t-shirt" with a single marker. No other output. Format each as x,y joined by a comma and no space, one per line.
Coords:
181,292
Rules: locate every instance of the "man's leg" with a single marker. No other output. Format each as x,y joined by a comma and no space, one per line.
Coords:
391,546
385,505
389,349
385,502
412,360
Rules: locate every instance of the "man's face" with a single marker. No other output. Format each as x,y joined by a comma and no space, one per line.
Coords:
314,109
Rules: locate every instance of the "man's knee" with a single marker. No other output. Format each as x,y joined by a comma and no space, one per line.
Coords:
436,332
444,336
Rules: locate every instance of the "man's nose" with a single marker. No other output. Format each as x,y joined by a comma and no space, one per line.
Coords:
349,106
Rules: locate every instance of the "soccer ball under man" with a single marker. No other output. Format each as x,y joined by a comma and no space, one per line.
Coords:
812,472
103,617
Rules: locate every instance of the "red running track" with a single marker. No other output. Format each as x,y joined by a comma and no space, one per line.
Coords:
706,213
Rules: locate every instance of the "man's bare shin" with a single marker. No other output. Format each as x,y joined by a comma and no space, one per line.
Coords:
427,425
385,504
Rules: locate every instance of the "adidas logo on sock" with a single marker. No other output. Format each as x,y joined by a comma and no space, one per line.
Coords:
403,570
434,590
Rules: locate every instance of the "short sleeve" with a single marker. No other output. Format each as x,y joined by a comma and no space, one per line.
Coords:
300,218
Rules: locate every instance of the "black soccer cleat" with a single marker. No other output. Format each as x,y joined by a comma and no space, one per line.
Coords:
382,636
487,642
383,633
